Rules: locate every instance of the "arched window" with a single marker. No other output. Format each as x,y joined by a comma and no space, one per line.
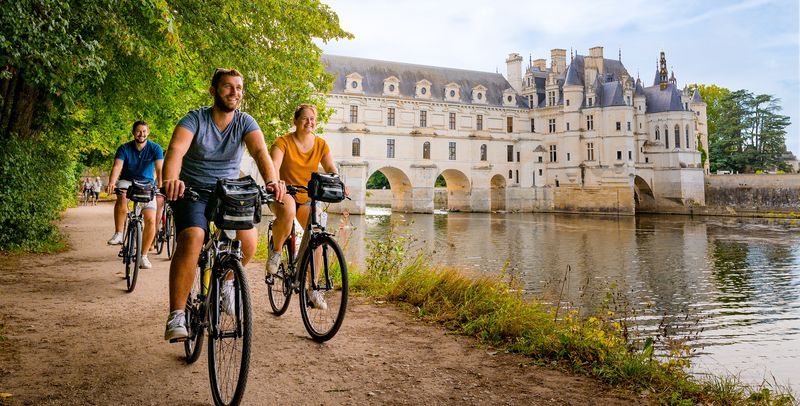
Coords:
426,150
677,136
666,136
356,147
687,135
658,134
483,152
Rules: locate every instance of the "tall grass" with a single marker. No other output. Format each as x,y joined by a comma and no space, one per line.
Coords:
496,312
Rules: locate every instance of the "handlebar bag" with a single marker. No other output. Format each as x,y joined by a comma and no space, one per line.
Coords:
141,191
236,204
326,187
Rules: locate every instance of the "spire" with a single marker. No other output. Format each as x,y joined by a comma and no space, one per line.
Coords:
662,71
530,60
571,57
620,54
672,76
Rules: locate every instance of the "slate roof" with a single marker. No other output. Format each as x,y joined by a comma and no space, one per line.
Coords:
696,97
374,72
659,100
613,70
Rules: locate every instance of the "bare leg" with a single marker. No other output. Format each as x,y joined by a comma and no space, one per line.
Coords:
284,217
120,211
149,229
183,265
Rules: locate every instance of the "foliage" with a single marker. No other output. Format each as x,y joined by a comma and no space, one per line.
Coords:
38,179
378,181
746,133
440,182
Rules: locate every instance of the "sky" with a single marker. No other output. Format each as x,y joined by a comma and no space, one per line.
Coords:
737,44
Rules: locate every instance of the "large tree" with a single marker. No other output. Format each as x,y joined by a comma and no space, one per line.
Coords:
76,73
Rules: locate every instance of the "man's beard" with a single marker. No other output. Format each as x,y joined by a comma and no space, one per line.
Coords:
139,142
220,104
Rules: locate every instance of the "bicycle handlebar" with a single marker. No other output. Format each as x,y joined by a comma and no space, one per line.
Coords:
193,194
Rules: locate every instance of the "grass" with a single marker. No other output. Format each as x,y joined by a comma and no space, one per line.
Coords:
497,314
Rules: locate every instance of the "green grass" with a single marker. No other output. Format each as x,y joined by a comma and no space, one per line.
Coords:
496,313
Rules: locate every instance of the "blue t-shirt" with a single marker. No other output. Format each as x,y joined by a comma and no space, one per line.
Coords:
139,165
214,154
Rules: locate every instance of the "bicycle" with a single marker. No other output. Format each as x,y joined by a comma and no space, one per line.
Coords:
131,251
327,263
87,193
229,335
166,232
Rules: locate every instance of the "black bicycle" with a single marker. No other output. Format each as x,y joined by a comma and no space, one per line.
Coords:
325,274
228,325
166,232
131,251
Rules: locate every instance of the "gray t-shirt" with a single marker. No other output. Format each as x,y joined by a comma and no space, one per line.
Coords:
214,154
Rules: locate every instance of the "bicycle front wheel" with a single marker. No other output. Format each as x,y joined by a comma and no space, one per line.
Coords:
134,255
327,280
161,235
195,314
169,231
279,287
229,335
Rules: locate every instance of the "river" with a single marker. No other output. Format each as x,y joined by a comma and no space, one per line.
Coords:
731,284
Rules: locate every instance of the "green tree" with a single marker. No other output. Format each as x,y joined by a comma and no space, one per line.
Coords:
378,181
79,72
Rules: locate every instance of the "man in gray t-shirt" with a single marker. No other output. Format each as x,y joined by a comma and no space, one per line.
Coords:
207,145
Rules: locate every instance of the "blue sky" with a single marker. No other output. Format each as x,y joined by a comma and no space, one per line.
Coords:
744,44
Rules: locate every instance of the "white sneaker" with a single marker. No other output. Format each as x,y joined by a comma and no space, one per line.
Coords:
228,298
317,300
273,261
145,263
116,239
176,326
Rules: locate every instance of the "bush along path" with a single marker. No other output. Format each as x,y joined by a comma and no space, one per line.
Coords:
72,335
496,313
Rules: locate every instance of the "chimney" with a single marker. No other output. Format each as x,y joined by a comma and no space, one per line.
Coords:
540,64
596,53
558,60
514,71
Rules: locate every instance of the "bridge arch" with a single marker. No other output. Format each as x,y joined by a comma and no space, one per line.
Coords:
458,190
401,187
643,196
498,193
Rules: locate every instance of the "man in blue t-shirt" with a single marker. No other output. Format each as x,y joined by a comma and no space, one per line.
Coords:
207,145
139,160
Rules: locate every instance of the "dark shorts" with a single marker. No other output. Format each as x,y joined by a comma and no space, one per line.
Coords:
188,213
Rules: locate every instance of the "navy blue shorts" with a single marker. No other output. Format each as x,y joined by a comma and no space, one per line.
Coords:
190,213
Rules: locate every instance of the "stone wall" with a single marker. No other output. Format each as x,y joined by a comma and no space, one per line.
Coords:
748,194
594,200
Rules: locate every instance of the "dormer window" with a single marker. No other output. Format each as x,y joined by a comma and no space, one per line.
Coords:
452,92
423,89
479,94
509,98
391,86
353,83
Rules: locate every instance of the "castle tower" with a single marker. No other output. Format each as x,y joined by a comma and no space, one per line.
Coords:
662,72
514,71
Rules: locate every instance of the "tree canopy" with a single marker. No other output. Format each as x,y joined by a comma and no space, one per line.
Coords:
746,131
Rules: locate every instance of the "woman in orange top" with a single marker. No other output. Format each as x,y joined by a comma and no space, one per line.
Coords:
295,156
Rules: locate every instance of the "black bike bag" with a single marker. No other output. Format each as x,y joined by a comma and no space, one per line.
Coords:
141,191
326,187
236,204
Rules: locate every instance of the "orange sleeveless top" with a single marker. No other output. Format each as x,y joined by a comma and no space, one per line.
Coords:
297,166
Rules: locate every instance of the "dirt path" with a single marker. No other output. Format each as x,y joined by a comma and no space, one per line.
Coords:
73,336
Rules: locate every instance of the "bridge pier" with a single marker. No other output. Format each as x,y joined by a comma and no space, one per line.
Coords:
354,176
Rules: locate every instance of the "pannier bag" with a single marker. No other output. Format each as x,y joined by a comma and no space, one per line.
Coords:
326,187
141,191
236,204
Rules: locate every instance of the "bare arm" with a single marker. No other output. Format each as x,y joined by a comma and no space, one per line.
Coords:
112,178
327,163
159,179
178,145
254,141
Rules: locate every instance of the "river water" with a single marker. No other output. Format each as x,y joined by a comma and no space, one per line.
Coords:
731,284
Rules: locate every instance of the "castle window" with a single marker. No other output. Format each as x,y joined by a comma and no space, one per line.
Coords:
619,155
619,126
590,102
424,90
590,151
658,135
509,124
510,174
551,124
423,118
687,135
553,155
354,84
567,126
452,93
353,114
390,148
390,117
356,147
540,172
629,125
530,101
533,126
590,122
551,98
666,137
426,150
568,156
677,136
509,98
517,156
510,153
629,100
567,102
630,155
516,174
391,88
452,148
483,152
540,159
479,122
452,121
480,96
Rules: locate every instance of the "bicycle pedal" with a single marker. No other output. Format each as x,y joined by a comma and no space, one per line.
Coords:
178,340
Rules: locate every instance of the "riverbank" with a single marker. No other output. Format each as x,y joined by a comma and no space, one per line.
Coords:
73,336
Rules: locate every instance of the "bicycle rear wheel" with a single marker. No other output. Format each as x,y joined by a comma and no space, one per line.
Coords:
330,272
229,336
134,254
169,232
279,287
161,235
195,314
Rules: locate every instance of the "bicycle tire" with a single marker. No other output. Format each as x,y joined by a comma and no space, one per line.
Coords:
195,314
323,324
136,255
170,234
160,236
227,343
280,289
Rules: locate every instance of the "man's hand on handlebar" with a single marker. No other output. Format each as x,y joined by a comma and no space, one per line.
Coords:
173,189
278,188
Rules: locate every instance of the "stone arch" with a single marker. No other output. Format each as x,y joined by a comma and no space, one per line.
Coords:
498,192
401,187
643,196
458,190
